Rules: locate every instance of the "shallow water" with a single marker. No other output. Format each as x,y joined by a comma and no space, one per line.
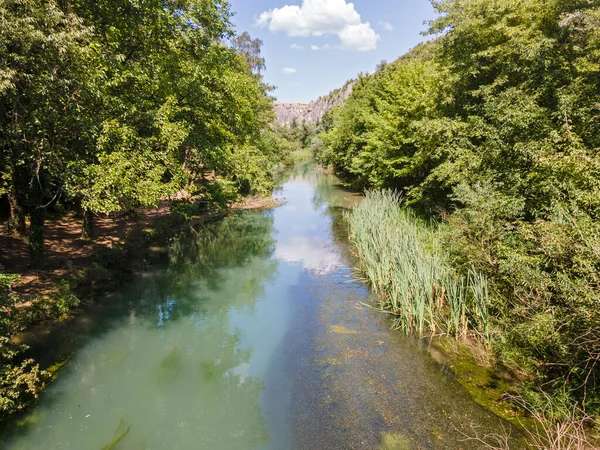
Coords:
249,334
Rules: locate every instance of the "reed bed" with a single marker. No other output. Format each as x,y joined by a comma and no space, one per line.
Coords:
403,260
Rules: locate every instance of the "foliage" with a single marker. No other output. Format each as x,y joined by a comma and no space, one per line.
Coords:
6,296
290,144
7,300
110,106
53,305
493,127
20,381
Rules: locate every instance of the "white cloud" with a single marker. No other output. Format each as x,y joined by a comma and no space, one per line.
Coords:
322,47
321,18
288,70
386,25
359,37
296,47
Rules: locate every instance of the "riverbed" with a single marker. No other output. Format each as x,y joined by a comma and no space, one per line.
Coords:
250,333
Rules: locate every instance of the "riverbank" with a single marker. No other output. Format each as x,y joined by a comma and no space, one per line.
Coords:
122,244
406,262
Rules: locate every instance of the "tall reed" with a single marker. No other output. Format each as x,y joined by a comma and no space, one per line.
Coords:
405,264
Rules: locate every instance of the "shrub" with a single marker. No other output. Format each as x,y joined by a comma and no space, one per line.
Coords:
20,381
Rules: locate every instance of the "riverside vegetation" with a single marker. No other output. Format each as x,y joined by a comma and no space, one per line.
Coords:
490,132
110,106
488,135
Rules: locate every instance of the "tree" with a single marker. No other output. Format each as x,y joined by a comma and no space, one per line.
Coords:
46,55
495,123
115,105
250,49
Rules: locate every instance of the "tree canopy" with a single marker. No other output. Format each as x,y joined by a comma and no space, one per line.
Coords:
111,105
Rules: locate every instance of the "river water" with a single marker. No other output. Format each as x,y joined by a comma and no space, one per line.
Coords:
249,334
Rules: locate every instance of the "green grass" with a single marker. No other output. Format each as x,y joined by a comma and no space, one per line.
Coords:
404,262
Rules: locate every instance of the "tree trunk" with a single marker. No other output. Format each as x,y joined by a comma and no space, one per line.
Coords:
37,215
36,236
16,222
87,226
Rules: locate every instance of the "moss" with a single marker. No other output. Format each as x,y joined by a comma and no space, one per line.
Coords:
340,329
29,420
329,362
394,441
487,385
55,368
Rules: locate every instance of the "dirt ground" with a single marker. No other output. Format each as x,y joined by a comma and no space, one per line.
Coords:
66,252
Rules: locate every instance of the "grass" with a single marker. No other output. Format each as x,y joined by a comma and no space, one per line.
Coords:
403,260
570,432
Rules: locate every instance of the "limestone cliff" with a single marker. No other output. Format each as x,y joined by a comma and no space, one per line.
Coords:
314,111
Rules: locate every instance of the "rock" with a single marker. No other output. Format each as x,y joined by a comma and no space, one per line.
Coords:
312,112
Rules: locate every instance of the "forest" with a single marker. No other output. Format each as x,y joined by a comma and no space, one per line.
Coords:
489,134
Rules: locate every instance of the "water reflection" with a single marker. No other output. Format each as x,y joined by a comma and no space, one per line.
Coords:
165,365
309,240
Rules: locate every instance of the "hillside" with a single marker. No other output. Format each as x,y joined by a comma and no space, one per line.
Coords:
314,111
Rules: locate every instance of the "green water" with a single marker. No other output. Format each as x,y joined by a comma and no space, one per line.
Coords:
248,334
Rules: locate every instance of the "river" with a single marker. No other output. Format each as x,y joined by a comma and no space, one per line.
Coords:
249,333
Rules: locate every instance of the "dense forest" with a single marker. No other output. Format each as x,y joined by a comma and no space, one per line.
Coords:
109,106
490,132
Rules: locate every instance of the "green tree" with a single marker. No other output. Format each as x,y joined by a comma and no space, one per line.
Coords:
45,56
115,105
495,123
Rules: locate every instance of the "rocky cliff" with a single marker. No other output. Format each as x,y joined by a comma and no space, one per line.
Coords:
312,112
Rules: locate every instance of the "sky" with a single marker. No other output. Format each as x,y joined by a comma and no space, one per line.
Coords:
312,47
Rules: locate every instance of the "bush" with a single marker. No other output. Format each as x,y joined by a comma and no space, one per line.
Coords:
20,382
53,305
7,299
493,127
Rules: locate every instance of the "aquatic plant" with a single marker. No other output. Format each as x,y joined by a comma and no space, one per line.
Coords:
403,260
120,433
170,366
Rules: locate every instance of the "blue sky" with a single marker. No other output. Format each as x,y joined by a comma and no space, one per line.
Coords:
313,46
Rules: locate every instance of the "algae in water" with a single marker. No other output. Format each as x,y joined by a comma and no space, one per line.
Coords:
121,432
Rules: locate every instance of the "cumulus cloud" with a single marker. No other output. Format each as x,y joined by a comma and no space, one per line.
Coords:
321,18
322,47
359,37
288,70
296,47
